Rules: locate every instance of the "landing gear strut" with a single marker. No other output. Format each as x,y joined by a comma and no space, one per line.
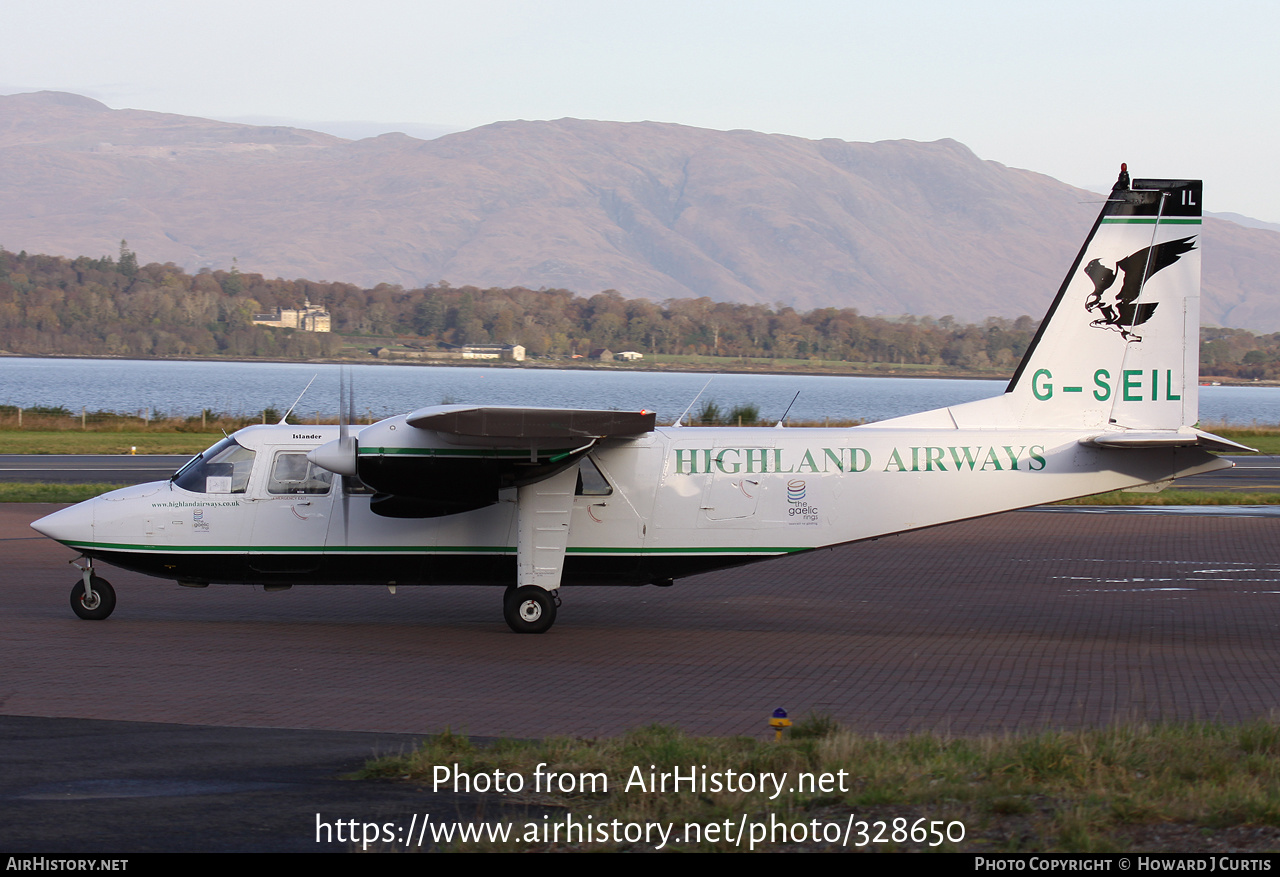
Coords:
93,598
530,609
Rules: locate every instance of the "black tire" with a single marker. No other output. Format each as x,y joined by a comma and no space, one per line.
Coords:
529,609
104,602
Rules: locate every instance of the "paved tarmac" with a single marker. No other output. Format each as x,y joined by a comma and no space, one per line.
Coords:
1260,474
76,786
1025,620
89,468
221,719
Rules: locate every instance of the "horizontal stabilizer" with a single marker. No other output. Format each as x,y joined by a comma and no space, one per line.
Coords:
1192,438
512,422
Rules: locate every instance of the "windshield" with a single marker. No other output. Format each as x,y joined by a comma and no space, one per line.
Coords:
224,468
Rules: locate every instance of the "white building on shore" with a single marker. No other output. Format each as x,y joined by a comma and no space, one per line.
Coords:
308,318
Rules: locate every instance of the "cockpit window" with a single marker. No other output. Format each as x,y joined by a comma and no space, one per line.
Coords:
591,481
224,468
292,472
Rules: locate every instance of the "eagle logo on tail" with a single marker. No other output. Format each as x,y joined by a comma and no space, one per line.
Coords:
1120,310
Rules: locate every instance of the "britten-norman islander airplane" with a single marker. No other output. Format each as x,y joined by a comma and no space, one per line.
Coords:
534,499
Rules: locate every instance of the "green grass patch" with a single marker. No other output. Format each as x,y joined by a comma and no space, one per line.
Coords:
1264,440
1131,787
71,442
42,492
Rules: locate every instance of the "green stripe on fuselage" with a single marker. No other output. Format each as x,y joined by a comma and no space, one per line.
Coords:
407,549
460,452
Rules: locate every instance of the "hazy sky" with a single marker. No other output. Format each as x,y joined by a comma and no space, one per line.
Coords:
1176,89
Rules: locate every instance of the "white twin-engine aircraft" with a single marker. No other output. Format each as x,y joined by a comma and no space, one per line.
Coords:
533,499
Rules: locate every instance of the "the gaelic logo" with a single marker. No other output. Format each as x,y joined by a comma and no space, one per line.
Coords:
198,523
1120,309
800,512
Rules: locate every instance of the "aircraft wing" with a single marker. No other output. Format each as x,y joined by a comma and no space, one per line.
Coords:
517,423
456,458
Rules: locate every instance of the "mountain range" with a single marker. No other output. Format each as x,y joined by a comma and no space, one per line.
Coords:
649,209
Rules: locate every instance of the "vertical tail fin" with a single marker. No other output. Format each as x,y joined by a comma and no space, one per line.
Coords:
1119,347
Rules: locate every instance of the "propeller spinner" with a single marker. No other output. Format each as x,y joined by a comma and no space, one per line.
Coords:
338,456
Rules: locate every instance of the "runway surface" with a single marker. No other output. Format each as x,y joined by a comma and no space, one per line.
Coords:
1249,475
89,468
1021,621
78,786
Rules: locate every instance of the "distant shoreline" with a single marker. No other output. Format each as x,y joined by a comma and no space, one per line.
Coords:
683,368
679,368
823,370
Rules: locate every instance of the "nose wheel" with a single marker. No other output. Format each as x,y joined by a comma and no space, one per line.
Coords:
529,609
96,602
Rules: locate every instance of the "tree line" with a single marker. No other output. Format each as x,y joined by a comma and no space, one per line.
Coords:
117,306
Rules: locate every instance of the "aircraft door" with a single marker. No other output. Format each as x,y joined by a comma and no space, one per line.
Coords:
208,508
603,512
606,518
293,502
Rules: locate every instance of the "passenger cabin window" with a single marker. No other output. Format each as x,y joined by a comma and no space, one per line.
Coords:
293,473
591,481
224,468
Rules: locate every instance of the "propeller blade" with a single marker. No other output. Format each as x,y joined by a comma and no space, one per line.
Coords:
351,400
342,402
353,456
340,456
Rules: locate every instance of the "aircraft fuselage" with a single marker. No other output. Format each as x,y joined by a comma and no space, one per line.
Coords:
672,503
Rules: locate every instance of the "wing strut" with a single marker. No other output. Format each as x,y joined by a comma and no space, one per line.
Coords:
543,511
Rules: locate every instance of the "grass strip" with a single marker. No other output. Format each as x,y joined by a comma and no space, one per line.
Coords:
1264,440
44,492
69,442
1136,787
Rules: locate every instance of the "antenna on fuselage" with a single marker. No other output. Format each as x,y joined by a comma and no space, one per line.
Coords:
783,419
285,419
695,400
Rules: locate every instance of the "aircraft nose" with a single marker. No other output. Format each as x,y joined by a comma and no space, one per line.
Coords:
70,525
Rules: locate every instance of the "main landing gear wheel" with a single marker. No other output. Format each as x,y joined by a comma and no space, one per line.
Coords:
98,606
529,609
